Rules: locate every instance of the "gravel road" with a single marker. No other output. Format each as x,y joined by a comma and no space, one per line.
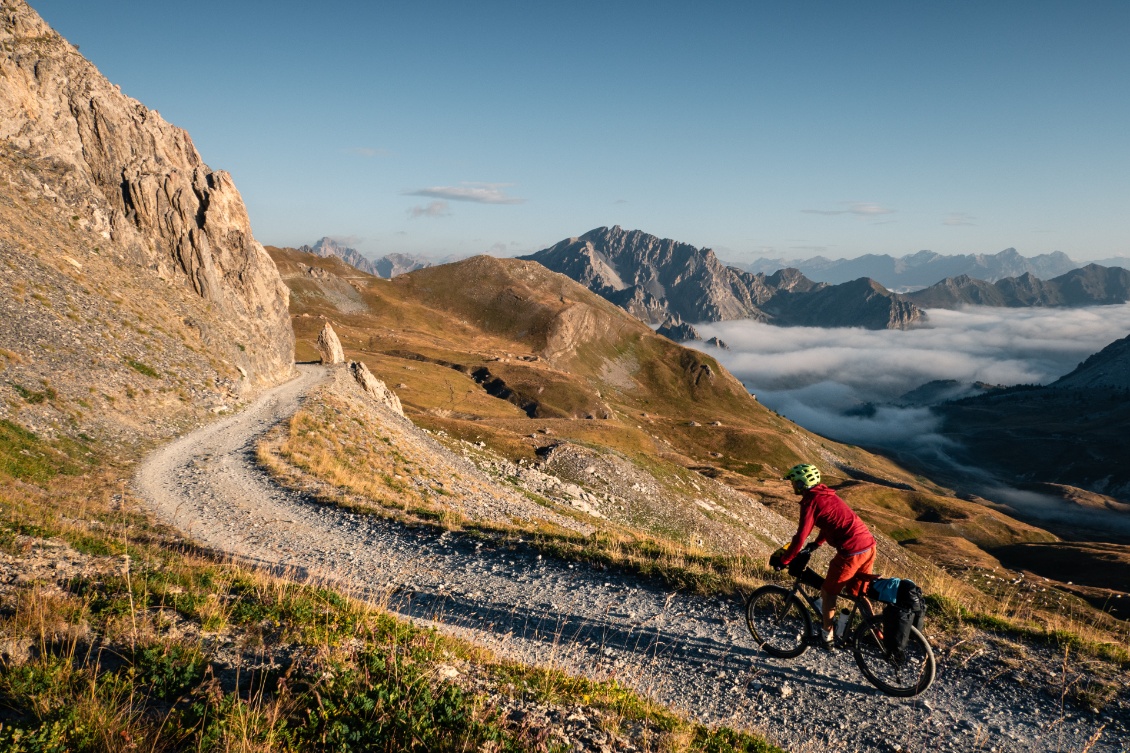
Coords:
691,653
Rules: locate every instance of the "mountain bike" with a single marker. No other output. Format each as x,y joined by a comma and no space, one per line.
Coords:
782,625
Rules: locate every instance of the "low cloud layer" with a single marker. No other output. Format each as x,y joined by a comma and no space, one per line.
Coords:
823,379
814,376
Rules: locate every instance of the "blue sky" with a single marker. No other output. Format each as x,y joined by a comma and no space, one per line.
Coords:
756,128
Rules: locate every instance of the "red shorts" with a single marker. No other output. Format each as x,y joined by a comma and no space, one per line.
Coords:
842,569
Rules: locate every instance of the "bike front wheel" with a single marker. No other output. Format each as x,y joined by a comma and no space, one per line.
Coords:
778,621
900,676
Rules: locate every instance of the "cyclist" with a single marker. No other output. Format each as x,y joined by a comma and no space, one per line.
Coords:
841,527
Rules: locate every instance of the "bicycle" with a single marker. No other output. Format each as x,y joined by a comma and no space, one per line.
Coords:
783,627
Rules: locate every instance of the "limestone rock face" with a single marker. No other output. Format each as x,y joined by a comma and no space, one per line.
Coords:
375,387
139,182
330,346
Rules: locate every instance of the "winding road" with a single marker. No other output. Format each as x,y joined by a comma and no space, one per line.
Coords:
691,653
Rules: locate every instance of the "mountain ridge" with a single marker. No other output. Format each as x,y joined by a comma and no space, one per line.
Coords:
924,268
1092,285
387,266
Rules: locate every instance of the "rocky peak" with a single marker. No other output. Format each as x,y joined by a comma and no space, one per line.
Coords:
328,248
139,182
657,279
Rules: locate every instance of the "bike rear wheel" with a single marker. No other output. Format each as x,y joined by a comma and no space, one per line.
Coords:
901,677
778,621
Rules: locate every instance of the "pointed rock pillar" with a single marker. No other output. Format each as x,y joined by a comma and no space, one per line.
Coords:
329,346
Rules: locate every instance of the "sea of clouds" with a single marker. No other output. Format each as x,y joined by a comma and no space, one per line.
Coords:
815,376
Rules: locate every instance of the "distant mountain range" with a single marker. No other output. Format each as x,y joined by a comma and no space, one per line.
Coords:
1092,285
663,281
926,267
387,266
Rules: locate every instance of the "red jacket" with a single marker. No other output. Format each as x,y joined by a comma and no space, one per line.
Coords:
838,524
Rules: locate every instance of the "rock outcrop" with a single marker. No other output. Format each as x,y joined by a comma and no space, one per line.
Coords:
376,389
329,346
138,183
679,331
658,279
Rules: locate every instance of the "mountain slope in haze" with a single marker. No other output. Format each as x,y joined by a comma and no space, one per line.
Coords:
922,268
659,279
1072,431
1092,285
134,292
387,266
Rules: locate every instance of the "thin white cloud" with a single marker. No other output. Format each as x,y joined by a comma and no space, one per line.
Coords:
959,219
480,193
434,209
857,208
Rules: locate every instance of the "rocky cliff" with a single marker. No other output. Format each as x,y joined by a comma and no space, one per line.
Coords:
117,173
657,279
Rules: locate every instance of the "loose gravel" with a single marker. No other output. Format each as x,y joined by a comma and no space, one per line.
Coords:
691,653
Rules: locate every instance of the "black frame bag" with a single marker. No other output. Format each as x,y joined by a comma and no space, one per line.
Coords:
909,610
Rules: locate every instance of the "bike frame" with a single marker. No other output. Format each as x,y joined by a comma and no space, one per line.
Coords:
860,604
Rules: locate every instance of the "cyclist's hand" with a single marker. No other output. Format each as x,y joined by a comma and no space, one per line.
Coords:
775,559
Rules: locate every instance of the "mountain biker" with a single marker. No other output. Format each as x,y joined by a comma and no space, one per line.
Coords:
840,526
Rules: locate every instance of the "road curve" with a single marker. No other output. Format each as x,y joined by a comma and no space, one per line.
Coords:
693,654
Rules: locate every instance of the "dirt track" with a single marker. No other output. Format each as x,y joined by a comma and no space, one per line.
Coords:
691,653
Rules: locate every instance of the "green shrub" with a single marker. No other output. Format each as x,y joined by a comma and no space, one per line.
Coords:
141,368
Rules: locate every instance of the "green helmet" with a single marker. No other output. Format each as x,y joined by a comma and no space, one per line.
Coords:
804,474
